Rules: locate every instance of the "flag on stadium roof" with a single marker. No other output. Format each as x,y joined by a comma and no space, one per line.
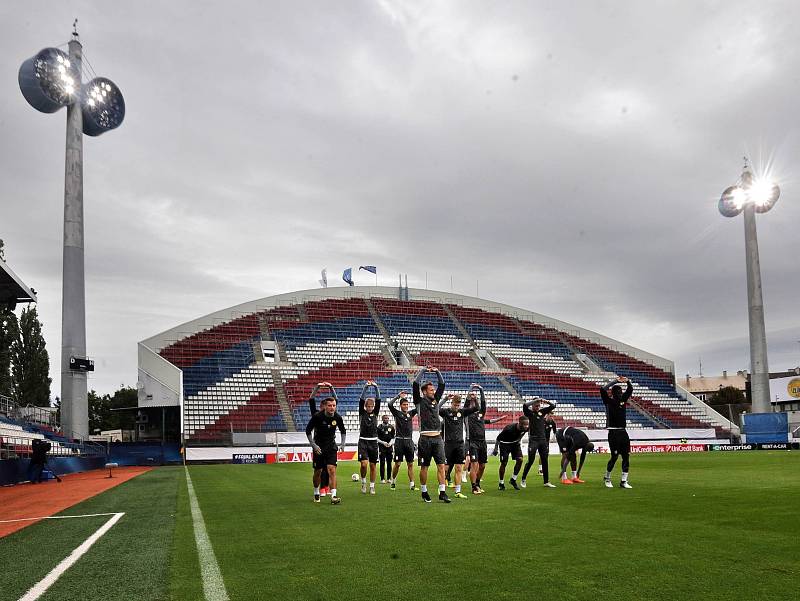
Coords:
347,276
370,268
324,281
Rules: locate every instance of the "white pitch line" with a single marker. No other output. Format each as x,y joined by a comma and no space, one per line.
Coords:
45,583
56,517
213,584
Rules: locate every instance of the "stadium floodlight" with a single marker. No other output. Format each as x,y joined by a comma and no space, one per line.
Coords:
751,195
50,80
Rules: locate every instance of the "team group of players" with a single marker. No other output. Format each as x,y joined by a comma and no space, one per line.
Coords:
442,442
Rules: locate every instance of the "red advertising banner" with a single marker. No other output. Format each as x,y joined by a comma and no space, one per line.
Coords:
306,457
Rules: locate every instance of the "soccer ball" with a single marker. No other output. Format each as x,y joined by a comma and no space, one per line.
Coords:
354,477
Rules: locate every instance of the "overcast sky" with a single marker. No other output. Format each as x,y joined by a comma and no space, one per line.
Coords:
569,156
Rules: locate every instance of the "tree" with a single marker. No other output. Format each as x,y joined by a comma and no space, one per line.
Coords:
9,332
2,251
31,363
728,395
101,416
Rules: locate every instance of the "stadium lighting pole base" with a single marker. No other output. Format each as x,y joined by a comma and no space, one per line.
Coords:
74,403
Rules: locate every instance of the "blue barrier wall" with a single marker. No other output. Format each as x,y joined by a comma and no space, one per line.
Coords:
13,471
144,453
766,427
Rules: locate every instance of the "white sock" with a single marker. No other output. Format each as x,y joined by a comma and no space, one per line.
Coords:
424,488
372,485
458,488
608,475
514,477
624,476
441,488
411,484
363,480
463,477
563,475
316,490
501,481
333,492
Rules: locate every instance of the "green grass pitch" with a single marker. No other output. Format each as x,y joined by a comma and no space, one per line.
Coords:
696,526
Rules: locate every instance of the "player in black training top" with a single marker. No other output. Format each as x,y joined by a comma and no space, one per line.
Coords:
616,402
324,485
508,442
453,417
385,442
368,407
403,440
569,441
476,437
550,428
428,401
537,411
321,434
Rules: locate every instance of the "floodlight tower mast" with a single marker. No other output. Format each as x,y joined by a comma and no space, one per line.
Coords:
49,81
751,196
74,403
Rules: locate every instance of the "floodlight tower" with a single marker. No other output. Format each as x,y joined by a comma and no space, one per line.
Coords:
751,196
50,80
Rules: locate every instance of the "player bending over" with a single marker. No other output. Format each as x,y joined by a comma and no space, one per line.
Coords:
454,416
508,441
368,407
569,441
323,425
428,401
403,440
385,447
537,411
324,487
616,402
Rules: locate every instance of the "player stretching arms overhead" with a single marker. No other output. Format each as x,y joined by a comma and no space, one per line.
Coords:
403,441
368,408
508,440
476,437
323,425
385,448
569,441
454,417
431,446
537,411
312,407
616,402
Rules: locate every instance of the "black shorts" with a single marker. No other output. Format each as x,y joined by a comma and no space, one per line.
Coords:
510,448
327,457
540,446
430,448
368,450
454,453
478,451
619,442
403,450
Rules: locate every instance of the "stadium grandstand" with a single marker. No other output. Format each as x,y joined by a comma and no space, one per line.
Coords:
249,368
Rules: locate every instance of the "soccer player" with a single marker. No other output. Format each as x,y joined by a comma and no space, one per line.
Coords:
385,442
476,437
428,401
616,402
508,441
550,428
312,406
537,411
323,425
403,440
454,416
569,441
368,407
